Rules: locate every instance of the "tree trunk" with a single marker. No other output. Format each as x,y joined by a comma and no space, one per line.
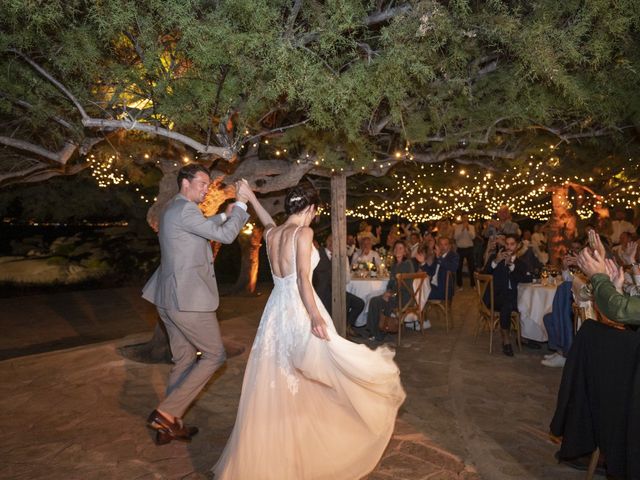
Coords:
249,262
339,257
562,225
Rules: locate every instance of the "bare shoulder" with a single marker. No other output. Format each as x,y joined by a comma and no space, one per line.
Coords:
305,234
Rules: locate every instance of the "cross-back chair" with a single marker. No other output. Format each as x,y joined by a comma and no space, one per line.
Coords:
488,318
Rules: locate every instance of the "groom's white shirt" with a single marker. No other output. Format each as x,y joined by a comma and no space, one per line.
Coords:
185,279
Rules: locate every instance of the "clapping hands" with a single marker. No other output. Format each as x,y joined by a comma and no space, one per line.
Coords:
616,273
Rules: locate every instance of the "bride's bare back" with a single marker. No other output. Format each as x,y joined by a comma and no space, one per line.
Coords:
281,248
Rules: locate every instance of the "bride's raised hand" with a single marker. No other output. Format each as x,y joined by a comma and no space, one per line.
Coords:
319,328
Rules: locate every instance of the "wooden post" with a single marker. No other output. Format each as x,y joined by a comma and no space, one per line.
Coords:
339,257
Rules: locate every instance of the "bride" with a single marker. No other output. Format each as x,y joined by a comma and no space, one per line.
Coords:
314,405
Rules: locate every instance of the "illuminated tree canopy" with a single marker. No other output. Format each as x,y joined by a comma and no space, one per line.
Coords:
275,90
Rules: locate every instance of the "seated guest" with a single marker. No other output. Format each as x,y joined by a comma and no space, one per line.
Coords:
559,323
414,242
388,301
528,257
366,254
441,261
507,270
322,284
625,251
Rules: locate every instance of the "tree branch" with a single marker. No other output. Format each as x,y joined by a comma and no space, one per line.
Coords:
291,21
105,124
60,157
53,80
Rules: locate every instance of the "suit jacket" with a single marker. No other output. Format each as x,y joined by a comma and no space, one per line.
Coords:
185,279
505,282
448,263
321,279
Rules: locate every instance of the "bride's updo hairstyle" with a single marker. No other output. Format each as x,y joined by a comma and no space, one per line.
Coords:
300,197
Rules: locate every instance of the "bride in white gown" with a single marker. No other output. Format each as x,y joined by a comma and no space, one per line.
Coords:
314,405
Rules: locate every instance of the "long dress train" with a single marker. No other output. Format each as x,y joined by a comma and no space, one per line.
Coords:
309,408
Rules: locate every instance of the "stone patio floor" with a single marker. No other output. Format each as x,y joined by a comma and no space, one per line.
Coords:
79,413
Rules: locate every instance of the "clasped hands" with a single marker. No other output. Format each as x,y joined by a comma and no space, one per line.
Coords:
244,193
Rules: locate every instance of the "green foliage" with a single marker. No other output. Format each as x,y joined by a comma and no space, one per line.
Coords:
453,70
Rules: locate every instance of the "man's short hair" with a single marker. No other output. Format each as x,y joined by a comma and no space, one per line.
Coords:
189,171
511,235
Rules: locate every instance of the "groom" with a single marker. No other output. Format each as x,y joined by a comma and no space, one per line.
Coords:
185,293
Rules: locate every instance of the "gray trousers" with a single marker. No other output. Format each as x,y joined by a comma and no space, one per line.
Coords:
190,332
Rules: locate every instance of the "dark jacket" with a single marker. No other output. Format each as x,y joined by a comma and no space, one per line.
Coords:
505,281
448,263
321,279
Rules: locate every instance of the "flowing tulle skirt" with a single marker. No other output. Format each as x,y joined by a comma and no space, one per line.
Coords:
309,409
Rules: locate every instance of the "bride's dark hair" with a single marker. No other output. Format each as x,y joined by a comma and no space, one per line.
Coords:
300,197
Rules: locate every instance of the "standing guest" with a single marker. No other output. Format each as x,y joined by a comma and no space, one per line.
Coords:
366,254
479,245
505,225
445,229
185,293
438,265
394,234
322,284
619,225
464,235
366,231
388,301
507,271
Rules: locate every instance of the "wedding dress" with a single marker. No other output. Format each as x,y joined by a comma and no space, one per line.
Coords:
310,408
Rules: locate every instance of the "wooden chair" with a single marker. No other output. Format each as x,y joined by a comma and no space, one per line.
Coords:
488,318
413,283
443,305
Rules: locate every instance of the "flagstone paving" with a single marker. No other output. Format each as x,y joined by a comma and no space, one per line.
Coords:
79,413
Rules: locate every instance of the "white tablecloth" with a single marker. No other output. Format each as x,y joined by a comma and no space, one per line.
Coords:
366,289
534,302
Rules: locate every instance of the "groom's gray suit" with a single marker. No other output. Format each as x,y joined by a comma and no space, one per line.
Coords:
185,292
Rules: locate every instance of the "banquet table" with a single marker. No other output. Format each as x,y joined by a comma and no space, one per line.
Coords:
534,302
366,289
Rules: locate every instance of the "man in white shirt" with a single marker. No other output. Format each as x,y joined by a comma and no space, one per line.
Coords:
463,234
618,226
366,254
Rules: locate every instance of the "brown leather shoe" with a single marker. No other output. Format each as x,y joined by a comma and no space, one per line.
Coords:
166,429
